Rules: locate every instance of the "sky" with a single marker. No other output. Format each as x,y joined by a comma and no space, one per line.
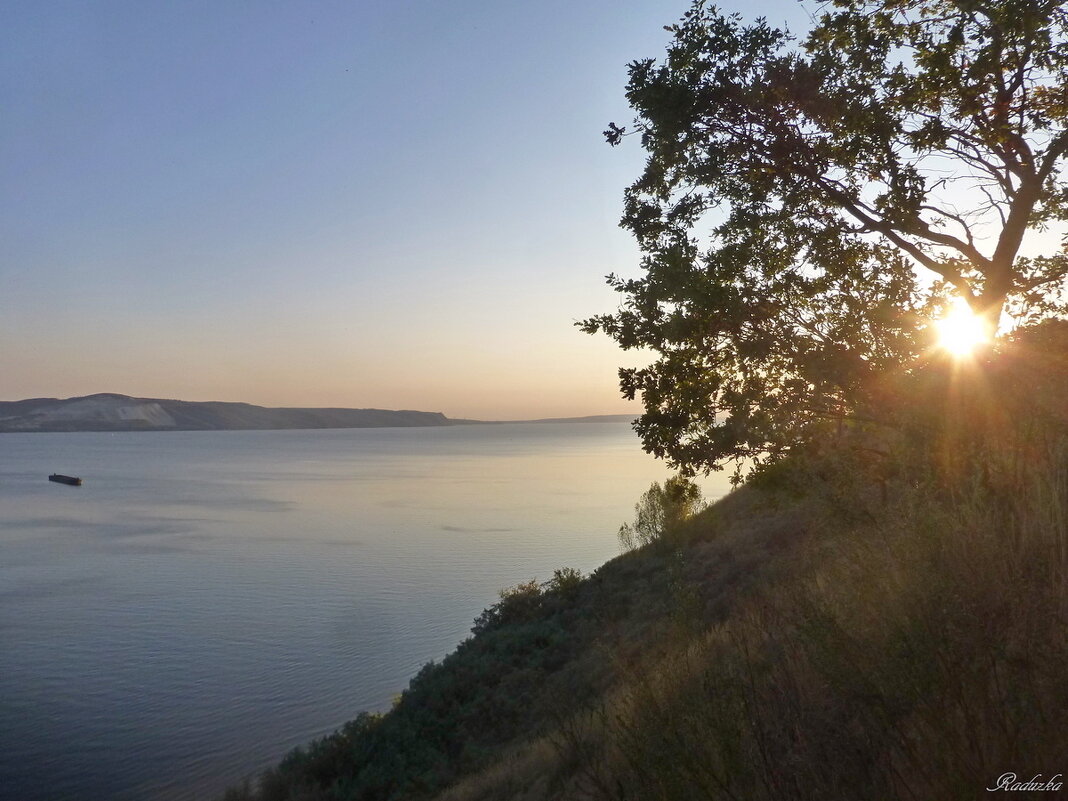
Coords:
398,204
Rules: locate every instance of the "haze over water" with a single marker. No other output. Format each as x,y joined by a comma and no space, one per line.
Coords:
209,600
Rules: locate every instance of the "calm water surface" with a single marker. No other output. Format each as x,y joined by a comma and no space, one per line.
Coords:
208,600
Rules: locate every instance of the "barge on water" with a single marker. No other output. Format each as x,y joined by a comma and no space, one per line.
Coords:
74,481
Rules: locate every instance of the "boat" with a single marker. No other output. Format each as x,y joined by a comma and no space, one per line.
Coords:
74,481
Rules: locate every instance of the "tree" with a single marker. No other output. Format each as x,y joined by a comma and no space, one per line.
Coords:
661,511
799,195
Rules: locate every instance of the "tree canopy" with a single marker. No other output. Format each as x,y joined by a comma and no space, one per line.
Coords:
800,194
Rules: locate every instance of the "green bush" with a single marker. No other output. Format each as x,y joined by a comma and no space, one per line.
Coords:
661,512
565,581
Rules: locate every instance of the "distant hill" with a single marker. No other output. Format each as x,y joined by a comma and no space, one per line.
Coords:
109,411
112,412
593,418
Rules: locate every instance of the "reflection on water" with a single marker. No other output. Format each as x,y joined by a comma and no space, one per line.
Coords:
206,601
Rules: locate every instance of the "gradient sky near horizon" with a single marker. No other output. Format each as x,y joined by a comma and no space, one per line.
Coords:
388,204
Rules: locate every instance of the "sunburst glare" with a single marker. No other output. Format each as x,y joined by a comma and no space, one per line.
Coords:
960,330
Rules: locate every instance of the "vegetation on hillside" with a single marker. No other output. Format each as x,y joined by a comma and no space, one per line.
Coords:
661,512
884,615
918,648
881,611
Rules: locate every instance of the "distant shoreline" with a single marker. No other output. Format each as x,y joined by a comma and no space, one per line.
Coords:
111,412
592,418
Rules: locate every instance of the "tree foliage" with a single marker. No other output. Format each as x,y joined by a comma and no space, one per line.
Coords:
661,511
798,195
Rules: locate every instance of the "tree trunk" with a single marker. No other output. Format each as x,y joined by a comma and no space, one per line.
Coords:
989,307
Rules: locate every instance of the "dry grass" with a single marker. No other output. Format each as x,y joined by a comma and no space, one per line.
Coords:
918,654
884,616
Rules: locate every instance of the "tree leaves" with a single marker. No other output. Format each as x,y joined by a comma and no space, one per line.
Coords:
793,192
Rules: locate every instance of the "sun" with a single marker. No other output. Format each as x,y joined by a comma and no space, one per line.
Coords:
960,330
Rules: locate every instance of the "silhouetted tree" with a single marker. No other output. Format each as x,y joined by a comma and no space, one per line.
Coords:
660,512
796,192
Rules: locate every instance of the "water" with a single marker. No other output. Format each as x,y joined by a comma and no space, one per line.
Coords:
209,600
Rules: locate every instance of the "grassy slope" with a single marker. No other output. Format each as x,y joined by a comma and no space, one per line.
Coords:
537,656
778,649
912,650
891,627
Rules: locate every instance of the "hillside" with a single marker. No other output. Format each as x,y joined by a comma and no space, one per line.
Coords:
884,615
113,412
541,652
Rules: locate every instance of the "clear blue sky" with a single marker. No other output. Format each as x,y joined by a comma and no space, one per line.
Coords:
391,204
